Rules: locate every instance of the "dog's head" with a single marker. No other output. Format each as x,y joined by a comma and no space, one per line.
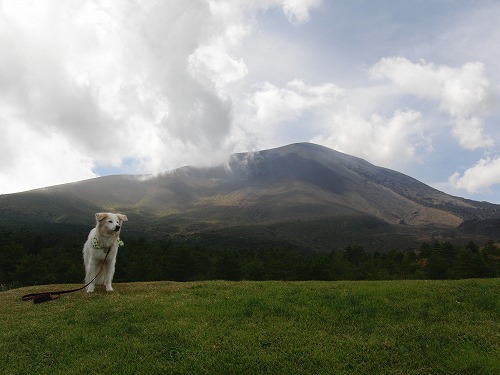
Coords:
109,223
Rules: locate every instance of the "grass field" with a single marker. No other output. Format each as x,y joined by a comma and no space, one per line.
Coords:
217,327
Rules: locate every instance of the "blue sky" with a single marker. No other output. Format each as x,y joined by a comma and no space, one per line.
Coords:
94,88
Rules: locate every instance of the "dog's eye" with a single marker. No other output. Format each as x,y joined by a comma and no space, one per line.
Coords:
110,221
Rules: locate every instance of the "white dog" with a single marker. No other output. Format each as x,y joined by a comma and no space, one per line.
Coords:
102,243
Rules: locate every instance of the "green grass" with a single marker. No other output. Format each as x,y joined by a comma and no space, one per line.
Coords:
387,327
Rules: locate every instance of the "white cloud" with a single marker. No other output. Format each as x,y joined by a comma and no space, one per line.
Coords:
37,154
297,11
381,140
270,116
343,119
216,68
469,133
273,104
152,82
463,93
478,178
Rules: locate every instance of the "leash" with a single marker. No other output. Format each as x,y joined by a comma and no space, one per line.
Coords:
49,296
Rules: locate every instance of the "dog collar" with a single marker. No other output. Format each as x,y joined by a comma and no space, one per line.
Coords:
96,245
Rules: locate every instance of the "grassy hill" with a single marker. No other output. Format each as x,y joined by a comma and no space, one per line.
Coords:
217,327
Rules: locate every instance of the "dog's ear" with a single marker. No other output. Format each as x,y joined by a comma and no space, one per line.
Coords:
122,217
101,216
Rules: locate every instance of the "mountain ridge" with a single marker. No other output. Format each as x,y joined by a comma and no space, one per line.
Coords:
278,189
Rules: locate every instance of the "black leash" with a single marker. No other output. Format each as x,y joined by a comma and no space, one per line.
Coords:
49,296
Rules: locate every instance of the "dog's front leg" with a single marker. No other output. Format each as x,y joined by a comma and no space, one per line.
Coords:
90,274
91,286
110,271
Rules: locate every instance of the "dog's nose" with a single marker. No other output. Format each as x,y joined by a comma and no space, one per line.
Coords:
117,228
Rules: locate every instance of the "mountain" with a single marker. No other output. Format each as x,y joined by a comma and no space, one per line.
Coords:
302,194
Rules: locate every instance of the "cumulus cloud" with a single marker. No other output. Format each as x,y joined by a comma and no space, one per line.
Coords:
469,132
343,119
361,122
463,93
382,140
34,154
478,178
297,11
149,81
270,116
273,104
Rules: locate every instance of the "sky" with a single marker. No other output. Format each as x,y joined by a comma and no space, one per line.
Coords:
93,88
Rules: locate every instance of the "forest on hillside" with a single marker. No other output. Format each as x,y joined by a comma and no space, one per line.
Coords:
32,259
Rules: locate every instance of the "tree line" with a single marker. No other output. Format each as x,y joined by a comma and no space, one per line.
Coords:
33,259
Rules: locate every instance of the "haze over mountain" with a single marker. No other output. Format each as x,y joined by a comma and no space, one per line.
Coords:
302,194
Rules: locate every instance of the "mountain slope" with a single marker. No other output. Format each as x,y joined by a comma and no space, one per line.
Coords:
276,193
